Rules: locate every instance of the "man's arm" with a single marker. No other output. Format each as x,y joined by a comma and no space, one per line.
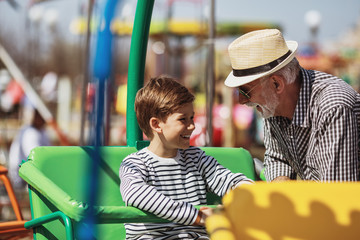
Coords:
337,149
274,160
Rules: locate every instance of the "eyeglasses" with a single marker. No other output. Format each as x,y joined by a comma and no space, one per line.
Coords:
247,94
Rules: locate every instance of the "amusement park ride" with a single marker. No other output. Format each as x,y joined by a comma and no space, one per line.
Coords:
74,190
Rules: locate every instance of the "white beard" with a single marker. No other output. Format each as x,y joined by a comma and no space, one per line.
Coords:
267,110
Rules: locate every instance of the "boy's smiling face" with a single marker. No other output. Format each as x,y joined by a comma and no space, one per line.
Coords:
177,129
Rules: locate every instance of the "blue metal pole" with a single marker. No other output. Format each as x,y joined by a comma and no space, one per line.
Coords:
101,71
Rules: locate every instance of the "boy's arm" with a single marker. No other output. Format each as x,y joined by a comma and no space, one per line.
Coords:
137,193
219,179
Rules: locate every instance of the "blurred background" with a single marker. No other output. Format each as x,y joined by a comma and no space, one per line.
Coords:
47,52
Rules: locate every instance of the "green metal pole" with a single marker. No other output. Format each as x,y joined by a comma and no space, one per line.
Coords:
136,70
49,218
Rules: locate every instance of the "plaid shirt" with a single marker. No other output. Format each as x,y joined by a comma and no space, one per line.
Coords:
321,142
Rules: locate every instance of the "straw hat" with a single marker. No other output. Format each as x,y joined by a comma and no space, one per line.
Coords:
257,54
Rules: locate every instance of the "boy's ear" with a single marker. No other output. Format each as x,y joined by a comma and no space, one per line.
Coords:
155,124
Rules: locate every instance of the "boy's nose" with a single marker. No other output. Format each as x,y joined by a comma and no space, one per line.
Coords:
191,126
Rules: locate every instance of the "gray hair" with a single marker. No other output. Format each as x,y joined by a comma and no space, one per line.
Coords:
290,72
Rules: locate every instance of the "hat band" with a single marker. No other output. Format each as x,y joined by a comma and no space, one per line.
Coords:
260,69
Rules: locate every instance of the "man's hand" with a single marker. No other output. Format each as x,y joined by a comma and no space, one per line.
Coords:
281,179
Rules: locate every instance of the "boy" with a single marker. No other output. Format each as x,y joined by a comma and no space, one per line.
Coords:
169,177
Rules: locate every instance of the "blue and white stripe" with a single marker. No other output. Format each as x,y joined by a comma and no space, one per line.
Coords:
170,187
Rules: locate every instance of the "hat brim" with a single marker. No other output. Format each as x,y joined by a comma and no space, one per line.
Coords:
233,81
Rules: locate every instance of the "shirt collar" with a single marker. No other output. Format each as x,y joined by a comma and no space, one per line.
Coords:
300,114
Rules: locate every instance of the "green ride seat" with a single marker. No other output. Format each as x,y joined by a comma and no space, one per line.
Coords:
58,180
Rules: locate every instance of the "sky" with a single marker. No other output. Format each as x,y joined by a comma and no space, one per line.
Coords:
337,17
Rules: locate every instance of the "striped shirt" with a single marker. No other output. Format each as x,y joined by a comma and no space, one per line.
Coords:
321,143
169,188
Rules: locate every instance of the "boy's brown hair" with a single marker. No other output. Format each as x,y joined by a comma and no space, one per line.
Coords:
159,98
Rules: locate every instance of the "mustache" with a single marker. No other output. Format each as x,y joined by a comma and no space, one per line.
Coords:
251,104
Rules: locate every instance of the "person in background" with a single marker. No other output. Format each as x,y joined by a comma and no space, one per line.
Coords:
312,118
168,178
29,136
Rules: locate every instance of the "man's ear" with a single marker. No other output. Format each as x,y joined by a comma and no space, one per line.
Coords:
155,124
278,82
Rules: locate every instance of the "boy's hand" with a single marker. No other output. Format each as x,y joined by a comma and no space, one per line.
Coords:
204,212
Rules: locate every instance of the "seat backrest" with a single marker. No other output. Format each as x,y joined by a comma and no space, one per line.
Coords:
235,159
69,168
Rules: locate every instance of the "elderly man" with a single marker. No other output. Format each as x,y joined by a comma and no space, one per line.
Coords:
312,118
